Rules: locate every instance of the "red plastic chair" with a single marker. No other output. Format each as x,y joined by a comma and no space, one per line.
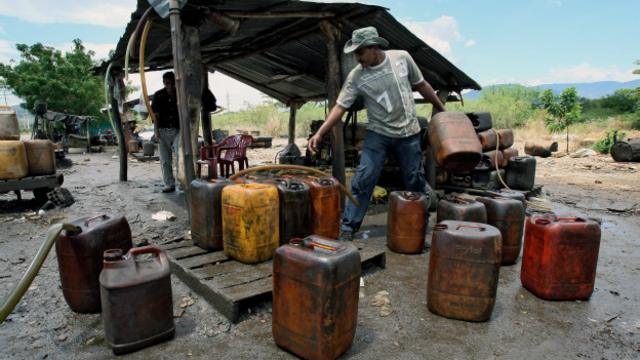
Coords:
209,156
236,151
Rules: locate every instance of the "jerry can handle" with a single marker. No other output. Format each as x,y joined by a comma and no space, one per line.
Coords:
295,185
440,227
410,195
311,244
460,200
572,219
149,249
480,227
91,219
326,182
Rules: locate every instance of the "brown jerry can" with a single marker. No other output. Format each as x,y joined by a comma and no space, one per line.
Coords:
516,195
41,157
488,140
454,141
464,265
505,136
315,297
206,212
407,221
80,257
508,154
325,206
560,257
295,209
137,306
461,209
493,158
508,216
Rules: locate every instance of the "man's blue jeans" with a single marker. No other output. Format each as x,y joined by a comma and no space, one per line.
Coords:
376,146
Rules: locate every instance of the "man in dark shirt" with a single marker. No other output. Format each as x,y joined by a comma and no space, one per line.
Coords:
166,128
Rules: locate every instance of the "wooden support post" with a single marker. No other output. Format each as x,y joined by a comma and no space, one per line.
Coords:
115,94
206,116
179,59
332,35
293,109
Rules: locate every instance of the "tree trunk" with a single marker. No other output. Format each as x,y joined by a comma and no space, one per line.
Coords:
567,139
293,108
626,151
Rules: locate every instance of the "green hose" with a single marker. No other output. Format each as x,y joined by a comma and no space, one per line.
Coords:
18,291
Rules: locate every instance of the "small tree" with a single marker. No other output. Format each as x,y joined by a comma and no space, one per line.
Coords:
563,110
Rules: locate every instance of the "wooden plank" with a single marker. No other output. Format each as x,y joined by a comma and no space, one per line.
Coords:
185,252
212,271
176,245
200,260
32,182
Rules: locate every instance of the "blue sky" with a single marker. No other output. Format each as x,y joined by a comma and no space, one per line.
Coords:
526,41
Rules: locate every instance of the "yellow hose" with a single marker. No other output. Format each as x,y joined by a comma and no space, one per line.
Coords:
294,167
143,80
21,288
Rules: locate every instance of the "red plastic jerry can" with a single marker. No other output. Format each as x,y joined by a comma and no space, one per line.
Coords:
560,257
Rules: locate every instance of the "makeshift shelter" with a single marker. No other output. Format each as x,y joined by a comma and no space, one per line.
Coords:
290,50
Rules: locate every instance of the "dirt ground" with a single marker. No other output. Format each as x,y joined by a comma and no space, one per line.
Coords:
521,327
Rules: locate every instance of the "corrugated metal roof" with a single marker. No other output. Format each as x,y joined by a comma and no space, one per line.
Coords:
285,57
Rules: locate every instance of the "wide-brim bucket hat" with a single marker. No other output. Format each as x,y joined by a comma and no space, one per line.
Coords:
363,37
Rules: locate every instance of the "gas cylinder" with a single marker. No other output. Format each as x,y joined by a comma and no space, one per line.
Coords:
505,137
250,221
488,139
137,307
560,257
521,172
454,141
9,127
464,265
407,221
508,154
461,209
481,121
508,216
295,209
325,206
206,212
13,160
79,256
41,157
315,297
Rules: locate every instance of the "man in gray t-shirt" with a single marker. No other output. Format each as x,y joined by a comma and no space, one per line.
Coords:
386,81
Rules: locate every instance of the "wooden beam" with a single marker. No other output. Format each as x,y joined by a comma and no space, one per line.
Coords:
179,57
332,37
293,108
206,116
116,98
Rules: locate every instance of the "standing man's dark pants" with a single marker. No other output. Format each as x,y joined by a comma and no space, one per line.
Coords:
376,146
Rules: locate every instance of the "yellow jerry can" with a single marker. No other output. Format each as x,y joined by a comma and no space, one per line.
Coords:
41,157
250,221
13,160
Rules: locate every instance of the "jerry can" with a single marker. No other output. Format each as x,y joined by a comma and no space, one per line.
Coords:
9,126
508,216
516,195
560,257
79,256
41,157
505,137
325,206
481,121
148,148
461,179
508,154
487,179
464,265
407,221
137,305
454,141
13,160
315,297
495,158
250,221
521,172
461,209
488,139
133,146
295,209
206,212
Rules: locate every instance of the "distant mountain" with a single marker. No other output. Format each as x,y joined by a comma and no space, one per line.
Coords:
592,90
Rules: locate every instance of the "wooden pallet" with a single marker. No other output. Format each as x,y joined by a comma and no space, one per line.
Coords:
140,157
231,286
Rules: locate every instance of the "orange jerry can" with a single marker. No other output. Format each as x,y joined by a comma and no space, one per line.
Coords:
79,256
407,221
461,209
206,212
508,216
41,157
560,257
315,297
455,143
464,265
137,305
325,206
508,154
250,222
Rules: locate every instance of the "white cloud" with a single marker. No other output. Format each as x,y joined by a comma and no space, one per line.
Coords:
470,43
584,72
8,51
101,50
439,33
114,13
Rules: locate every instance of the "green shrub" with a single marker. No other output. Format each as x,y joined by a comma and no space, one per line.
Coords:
604,145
